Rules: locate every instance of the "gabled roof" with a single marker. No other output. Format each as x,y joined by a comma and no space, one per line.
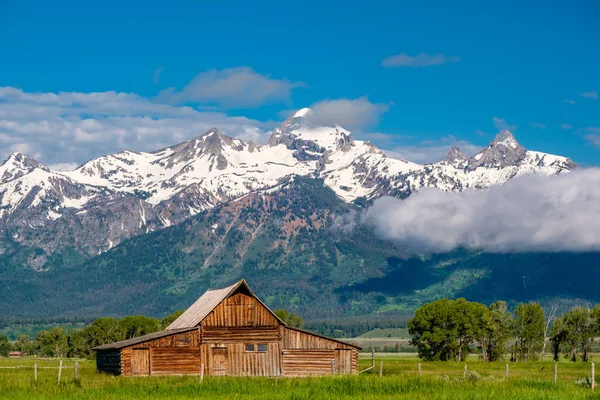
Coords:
140,339
207,303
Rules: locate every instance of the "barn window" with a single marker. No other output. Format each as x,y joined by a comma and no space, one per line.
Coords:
249,347
262,347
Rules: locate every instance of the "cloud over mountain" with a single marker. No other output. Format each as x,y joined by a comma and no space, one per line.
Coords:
74,127
349,113
529,213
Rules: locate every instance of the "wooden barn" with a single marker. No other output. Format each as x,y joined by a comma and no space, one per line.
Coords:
229,331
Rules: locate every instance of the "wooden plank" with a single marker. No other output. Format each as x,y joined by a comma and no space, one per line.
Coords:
240,310
140,362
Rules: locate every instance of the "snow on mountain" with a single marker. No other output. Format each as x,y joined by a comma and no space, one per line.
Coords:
138,192
17,165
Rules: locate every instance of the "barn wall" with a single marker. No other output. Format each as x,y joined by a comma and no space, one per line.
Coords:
307,362
239,362
240,310
108,361
306,352
293,339
217,334
177,354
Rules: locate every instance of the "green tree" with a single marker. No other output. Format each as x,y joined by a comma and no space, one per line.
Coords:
574,332
79,345
24,344
138,325
529,331
52,343
558,336
497,332
5,346
103,331
446,329
289,318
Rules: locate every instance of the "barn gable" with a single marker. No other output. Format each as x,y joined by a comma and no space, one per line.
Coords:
235,305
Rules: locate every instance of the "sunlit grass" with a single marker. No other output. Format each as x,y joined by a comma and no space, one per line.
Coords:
400,381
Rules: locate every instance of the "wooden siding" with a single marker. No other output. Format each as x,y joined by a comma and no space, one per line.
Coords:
293,339
240,310
175,360
345,356
177,354
307,362
108,361
233,359
126,361
242,334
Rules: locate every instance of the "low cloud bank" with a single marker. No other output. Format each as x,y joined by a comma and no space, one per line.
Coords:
529,213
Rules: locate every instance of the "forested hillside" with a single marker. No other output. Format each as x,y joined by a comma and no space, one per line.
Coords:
291,247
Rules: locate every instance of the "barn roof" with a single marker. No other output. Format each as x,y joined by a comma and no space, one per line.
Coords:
141,339
208,302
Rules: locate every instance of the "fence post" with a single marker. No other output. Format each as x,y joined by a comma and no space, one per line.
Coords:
35,373
373,358
201,372
555,372
419,366
465,372
506,373
76,369
593,377
381,368
59,371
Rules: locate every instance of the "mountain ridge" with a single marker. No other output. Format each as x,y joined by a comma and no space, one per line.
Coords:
134,193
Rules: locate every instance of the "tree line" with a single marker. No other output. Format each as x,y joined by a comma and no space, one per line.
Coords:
56,342
452,329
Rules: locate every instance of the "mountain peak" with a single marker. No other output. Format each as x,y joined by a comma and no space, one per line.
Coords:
17,165
505,138
502,152
455,158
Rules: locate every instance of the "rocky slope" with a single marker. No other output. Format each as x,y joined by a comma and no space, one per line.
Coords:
290,245
114,197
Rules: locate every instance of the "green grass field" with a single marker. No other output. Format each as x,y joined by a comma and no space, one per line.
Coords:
400,381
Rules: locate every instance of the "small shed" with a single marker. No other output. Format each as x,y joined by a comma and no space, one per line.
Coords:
229,331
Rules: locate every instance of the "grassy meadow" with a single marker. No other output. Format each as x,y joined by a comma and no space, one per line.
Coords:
533,380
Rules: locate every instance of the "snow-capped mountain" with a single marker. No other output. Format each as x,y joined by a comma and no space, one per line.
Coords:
113,197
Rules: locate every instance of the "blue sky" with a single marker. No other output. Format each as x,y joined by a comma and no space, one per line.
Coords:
531,66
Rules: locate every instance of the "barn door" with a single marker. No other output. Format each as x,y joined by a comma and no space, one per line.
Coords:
220,361
343,361
140,362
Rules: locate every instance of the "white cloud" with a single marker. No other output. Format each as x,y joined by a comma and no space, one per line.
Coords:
232,87
63,166
500,123
419,61
590,95
529,213
537,125
156,75
566,127
349,113
569,101
431,151
593,139
72,127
